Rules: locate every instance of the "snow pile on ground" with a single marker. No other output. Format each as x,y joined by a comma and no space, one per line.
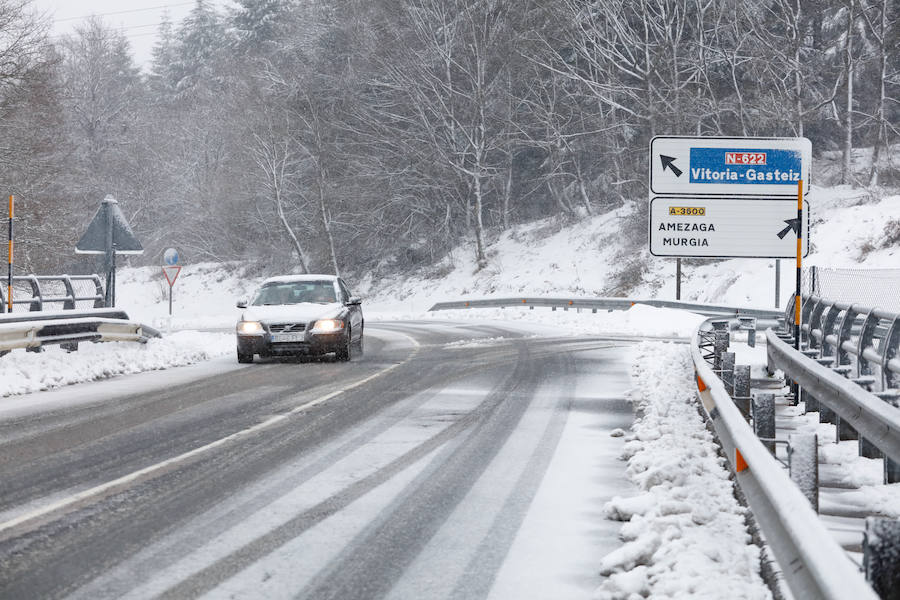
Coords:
685,535
24,372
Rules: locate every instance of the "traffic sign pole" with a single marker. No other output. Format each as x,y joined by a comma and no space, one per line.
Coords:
797,300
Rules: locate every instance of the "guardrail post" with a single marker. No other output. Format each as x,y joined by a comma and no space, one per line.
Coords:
891,470
764,419
891,349
881,556
720,345
803,463
826,415
98,289
749,325
843,430
37,299
728,372
812,405
867,449
741,395
69,303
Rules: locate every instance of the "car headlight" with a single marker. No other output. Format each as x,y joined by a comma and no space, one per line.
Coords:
249,327
328,325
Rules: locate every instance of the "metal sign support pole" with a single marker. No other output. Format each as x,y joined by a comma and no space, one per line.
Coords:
797,298
777,282
678,278
9,272
170,299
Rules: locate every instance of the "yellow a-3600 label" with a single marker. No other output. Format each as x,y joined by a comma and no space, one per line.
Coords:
687,211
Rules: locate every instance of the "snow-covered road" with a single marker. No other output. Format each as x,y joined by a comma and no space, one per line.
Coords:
453,460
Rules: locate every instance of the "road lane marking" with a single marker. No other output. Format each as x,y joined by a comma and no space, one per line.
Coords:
111,487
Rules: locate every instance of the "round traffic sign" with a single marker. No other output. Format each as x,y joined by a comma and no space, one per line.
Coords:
171,256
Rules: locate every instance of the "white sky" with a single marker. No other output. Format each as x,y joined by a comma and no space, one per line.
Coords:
137,19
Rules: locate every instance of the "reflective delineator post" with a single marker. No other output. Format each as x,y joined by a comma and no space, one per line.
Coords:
797,297
9,271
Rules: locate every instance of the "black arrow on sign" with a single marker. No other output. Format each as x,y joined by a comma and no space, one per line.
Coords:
668,161
792,224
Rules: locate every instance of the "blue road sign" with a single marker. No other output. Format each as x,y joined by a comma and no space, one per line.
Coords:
745,166
730,167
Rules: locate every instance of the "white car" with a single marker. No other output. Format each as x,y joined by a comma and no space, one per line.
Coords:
300,315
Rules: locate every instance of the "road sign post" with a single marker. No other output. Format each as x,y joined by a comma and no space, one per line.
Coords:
171,270
800,237
109,234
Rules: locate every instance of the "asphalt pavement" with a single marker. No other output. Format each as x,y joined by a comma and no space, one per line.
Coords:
449,461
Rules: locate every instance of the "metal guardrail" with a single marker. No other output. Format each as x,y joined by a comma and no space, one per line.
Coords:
39,298
814,565
32,330
854,335
596,304
873,418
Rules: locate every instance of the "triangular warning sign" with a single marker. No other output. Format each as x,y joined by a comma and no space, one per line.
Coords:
109,217
171,274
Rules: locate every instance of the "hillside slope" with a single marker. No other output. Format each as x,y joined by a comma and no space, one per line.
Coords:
850,228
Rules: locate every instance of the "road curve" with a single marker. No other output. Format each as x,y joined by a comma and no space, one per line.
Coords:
450,461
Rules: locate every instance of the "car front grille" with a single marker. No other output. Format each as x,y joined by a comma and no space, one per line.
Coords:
286,327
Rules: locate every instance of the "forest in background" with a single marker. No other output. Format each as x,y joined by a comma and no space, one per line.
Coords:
363,136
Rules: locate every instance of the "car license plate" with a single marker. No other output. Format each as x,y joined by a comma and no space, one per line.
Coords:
288,337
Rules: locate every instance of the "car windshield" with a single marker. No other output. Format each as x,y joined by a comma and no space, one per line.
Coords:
295,292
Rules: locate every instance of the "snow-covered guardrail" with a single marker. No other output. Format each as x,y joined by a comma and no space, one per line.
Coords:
812,562
852,333
595,304
32,330
873,418
42,286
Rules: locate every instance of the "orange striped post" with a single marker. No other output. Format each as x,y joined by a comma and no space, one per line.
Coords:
797,299
9,267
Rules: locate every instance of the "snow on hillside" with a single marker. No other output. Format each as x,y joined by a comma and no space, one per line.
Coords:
850,228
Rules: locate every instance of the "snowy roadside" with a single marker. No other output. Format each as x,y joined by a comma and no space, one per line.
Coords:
639,320
23,372
685,535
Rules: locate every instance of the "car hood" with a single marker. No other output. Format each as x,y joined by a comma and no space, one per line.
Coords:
292,313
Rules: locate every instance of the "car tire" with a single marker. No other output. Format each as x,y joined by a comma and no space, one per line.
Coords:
345,352
359,344
244,358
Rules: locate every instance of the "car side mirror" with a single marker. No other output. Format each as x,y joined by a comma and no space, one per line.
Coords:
242,304
354,301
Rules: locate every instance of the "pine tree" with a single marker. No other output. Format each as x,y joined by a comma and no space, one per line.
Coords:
200,36
258,22
162,78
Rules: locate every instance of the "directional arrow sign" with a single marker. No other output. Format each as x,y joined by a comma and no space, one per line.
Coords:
668,162
712,166
791,224
726,227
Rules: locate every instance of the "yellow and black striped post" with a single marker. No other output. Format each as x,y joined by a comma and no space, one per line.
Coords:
797,299
9,267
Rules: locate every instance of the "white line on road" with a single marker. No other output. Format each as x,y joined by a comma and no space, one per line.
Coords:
147,473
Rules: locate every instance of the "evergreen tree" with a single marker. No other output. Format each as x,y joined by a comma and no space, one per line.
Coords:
201,35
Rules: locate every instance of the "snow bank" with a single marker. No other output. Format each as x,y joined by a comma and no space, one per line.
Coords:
686,535
24,372
639,320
